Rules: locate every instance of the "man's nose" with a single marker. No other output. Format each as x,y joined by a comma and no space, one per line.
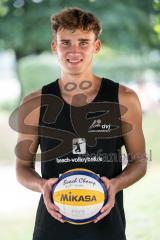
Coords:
75,48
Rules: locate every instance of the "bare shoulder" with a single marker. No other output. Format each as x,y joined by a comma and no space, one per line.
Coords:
32,95
30,101
129,98
127,95
28,120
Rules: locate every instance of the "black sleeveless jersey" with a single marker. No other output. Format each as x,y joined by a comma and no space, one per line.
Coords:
88,137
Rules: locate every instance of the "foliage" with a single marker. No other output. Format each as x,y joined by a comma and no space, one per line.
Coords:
127,68
127,24
3,8
36,71
157,25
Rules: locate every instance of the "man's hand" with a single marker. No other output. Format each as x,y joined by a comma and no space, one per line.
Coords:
52,208
111,199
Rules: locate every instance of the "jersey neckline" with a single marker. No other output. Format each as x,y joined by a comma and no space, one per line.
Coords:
70,105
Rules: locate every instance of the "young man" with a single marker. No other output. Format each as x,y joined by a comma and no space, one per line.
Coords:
75,42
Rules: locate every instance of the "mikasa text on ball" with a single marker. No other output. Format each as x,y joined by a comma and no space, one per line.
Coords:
80,194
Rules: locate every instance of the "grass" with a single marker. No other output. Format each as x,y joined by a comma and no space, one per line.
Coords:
7,139
141,202
17,228
152,135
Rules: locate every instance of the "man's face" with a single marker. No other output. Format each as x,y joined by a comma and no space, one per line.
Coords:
75,50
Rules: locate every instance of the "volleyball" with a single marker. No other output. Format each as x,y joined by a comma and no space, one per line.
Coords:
80,194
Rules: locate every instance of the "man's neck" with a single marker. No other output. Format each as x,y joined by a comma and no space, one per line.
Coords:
77,78
79,85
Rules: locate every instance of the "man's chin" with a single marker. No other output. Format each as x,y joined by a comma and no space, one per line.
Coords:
75,71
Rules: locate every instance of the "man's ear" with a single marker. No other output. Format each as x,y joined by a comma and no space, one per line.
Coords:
53,46
97,46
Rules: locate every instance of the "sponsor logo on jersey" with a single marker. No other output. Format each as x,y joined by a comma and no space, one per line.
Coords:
97,126
79,146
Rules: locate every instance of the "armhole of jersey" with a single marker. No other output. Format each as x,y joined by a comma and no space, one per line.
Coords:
121,137
44,90
40,116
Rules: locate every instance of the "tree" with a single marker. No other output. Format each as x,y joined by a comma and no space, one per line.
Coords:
3,8
127,24
157,25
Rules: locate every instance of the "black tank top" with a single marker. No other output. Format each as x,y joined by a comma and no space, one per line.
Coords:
87,137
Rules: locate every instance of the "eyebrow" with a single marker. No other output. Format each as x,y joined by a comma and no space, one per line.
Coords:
80,39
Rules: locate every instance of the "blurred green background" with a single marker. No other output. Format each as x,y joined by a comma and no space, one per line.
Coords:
130,55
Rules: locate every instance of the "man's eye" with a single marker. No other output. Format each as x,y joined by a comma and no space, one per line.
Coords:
65,43
84,43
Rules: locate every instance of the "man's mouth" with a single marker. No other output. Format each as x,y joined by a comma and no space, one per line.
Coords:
74,60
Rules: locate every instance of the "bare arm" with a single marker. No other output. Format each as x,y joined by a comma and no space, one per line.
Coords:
25,169
134,141
135,147
25,165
